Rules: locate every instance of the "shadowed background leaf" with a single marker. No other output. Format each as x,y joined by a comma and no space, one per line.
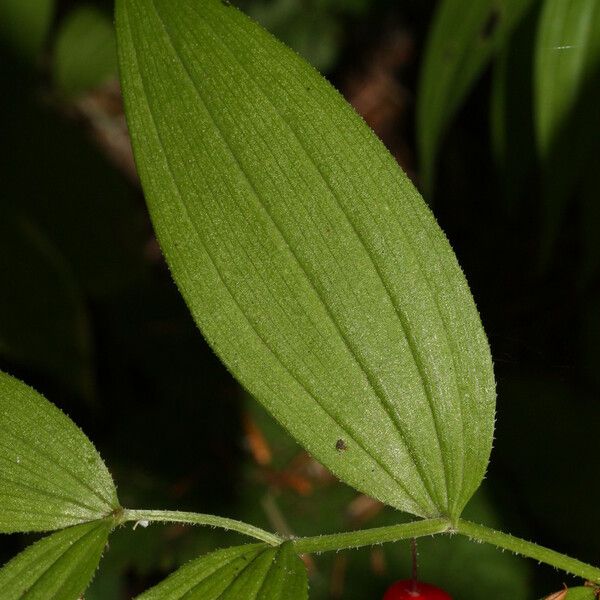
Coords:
44,321
567,92
25,25
463,37
85,53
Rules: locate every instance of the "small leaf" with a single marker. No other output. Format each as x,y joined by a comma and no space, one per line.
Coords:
464,36
252,572
51,476
59,566
306,257
24,25
85,54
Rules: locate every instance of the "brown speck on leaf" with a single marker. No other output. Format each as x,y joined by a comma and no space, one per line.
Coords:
341,445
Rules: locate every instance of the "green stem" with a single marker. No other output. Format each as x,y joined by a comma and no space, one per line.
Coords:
480,533
175,516
377,535
369,537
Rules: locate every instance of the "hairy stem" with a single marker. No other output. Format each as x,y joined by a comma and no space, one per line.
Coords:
377,535
480,533
175,516
369,537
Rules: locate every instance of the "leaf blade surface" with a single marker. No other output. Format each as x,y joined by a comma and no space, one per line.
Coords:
307,258
51,474
252,572
58,566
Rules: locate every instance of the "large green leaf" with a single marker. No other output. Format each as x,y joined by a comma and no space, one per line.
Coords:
464,36
51,475
307,258
251,572
59,566
85,55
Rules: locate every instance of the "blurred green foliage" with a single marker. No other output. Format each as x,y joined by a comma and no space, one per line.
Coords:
24,26
108,308
85,53
43,317
544,100
314,28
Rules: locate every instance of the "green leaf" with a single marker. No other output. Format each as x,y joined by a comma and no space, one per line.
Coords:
464,36
511,113
59,566
576,593
85,55
51,476
24,25
251,572
43,319
567,54
305,255
567,95
313,31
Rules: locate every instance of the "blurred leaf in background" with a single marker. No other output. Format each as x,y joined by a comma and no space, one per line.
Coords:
314,28
24,26
555,428
567,97
567,56
463,38
85,51
511,113
44,322
54,176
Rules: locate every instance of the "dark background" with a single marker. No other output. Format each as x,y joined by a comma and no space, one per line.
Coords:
90,317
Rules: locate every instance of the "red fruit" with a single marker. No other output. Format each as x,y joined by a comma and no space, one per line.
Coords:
409,590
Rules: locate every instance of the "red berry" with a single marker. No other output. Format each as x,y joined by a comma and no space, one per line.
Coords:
408,590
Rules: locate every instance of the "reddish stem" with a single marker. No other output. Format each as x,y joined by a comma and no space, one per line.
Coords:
413,548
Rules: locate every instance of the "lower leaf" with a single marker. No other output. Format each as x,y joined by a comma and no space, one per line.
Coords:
250,572
59,566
